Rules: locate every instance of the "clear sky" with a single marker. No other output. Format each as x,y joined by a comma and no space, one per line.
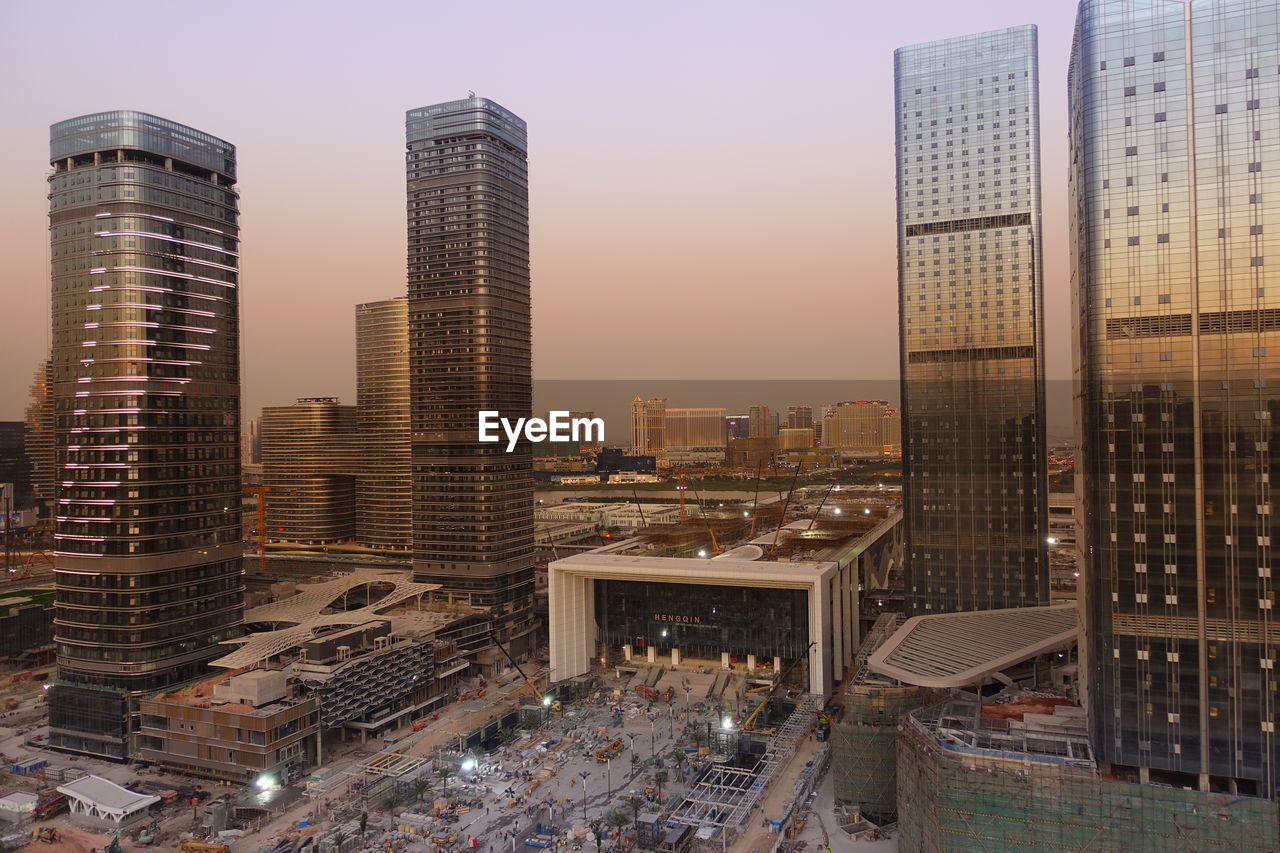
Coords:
712,190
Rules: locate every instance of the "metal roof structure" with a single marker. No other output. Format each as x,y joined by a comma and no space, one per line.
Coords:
96,797
301,619
963,649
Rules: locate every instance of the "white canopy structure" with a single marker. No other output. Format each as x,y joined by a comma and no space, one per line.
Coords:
104,800
962,649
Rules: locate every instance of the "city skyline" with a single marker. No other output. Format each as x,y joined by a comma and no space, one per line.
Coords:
570,244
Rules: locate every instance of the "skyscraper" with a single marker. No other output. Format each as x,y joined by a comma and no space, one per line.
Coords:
469,350
1175,203
146,394
384,499
648,425
970,308
311,455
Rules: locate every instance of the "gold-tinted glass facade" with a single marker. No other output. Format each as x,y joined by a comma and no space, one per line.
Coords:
470,350
143,222
1175,193
971,315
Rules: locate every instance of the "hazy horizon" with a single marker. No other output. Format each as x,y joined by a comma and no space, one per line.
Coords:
711,186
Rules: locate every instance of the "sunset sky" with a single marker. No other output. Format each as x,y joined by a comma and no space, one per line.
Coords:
712,191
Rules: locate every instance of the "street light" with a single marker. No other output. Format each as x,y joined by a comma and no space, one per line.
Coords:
584,774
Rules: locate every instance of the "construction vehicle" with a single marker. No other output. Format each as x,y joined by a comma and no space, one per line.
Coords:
749,723
50,808
48,835
648,692
668,694
609,750
204,847
533,688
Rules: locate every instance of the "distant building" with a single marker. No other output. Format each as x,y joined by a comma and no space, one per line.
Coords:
795,438
384,495
40,445
737,426
612,460
251,442
694,428
862,426
15,466
799,417
763,421
310,453
648,425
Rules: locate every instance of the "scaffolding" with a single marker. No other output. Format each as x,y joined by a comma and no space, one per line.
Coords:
864,739
968,782
725,795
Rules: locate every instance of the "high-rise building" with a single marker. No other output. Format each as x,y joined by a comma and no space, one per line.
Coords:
310,455
648,425
40,444
384,497
701,428
862,426
737,426
470,350
970,308
251,442
799,417
1175,204
146,392
763,421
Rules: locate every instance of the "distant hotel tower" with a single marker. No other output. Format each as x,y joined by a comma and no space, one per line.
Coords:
146,393
469,349
1175,202
969,255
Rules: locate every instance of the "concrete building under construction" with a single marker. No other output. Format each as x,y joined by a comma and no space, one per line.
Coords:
980,776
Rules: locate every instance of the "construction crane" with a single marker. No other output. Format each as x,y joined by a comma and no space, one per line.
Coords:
773,546
545,700
716,550
750,722
681,488
260,492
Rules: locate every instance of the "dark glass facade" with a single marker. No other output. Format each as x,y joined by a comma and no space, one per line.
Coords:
146,396
1175,201
469,350
703,621
971,314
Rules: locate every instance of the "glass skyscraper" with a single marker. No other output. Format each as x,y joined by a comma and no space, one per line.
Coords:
384,500
1175,200
971,315
470,350
146,394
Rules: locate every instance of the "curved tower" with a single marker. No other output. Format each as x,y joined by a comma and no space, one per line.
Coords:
146,388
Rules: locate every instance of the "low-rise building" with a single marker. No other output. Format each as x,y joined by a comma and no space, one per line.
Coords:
233,726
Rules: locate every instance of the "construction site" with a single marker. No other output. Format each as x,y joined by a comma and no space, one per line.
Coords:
1015,772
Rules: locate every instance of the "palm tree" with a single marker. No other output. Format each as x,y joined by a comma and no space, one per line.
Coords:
699,736
364,823
389,802
444,773
618,819
337,840
636,804
421,786
596,825
659,779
